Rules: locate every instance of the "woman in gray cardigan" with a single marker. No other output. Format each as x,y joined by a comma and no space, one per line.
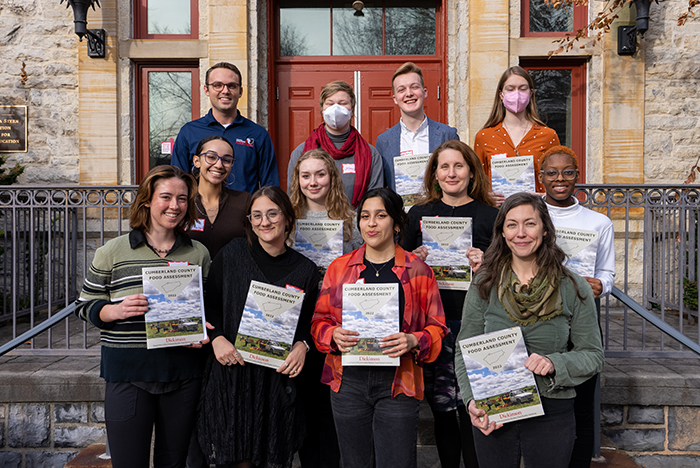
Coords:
522,282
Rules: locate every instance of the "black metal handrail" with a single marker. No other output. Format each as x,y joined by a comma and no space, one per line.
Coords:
33,332
656,321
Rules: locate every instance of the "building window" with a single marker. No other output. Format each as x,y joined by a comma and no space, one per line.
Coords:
388,27
560,89
540,19
166,19
167,98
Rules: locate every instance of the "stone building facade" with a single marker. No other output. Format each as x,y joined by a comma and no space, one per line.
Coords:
641,110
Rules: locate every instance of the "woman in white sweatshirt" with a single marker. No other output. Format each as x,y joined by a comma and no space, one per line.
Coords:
596,263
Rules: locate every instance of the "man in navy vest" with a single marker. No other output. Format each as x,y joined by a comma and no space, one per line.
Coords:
255,162
415,133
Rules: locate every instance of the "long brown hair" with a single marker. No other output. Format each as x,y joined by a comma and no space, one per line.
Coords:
478,186
498,111
140,214
337,203
550,257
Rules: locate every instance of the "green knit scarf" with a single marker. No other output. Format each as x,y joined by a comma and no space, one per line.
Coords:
529,303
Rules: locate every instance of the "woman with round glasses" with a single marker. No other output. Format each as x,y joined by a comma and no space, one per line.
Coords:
359,163
248,413
220,210
559,175
514,127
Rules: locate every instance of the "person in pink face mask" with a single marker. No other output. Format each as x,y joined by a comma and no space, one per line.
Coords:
514,127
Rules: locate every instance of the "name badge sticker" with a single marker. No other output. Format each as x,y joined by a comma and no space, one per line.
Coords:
349,168
198,225
183,263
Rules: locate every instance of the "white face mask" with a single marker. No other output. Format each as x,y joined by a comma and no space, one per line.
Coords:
337,116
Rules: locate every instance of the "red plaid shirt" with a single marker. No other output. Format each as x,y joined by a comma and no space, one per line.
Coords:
423,316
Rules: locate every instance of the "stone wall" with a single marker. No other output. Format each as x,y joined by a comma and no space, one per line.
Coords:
672,89
37,37
655,436
47,435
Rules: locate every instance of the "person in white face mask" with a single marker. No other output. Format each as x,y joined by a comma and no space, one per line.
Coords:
359,163
514,127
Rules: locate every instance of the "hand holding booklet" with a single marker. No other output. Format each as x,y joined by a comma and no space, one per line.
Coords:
500,383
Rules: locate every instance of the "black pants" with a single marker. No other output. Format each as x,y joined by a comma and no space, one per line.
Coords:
131,413
585,427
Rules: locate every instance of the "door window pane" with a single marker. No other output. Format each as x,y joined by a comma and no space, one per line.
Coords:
357,35
546,18
169,108
553,94
169,17
305,28
410,30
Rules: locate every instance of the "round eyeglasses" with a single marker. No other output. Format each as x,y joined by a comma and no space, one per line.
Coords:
551,174
256,217
218,86
211,157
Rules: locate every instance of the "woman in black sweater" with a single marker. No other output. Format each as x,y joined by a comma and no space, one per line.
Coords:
248,413
455,186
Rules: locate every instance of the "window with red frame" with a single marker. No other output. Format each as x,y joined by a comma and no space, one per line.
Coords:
560,90
166,19
540,19
167,98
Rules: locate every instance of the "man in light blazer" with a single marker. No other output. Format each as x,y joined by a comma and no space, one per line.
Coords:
415,133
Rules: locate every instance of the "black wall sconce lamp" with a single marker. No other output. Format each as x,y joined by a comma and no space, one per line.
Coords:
95,37
627,35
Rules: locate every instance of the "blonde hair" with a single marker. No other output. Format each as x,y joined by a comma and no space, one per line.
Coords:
479,184
333,87
337,203
405,69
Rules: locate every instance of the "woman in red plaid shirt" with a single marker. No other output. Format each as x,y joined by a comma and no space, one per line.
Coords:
376,407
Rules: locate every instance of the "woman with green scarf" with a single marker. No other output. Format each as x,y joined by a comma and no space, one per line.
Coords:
522,282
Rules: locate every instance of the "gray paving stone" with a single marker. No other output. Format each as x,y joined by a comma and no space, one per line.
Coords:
611,415
645,415
97,415
2,411
10,460
667,461
637,440
71,413
48,459
77,436
28,425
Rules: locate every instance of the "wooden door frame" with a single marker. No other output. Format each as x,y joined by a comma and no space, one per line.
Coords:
273,59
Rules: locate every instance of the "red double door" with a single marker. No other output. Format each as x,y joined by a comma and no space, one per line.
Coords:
298,87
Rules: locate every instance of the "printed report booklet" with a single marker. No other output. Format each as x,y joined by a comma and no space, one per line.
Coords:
501,384
319,240
513,175
175,314
372,310
408,172
447,240
270,316
581,248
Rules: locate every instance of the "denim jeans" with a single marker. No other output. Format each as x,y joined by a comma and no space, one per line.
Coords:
543,441
374,429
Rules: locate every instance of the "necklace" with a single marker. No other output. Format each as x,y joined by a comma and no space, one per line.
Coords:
512,135
159,251
375,268
215,211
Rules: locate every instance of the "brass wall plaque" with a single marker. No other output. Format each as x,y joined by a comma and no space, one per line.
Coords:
13,129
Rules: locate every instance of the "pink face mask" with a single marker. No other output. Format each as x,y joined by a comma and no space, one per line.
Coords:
516,101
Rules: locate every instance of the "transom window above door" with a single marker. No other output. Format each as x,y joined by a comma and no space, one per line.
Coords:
333,27
166,19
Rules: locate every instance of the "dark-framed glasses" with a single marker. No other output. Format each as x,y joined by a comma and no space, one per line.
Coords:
211,157
218,86
256,217
566,174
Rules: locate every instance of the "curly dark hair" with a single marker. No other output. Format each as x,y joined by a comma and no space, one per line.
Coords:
393,204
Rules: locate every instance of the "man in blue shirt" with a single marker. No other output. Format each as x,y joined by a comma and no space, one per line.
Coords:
415,133
255,162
